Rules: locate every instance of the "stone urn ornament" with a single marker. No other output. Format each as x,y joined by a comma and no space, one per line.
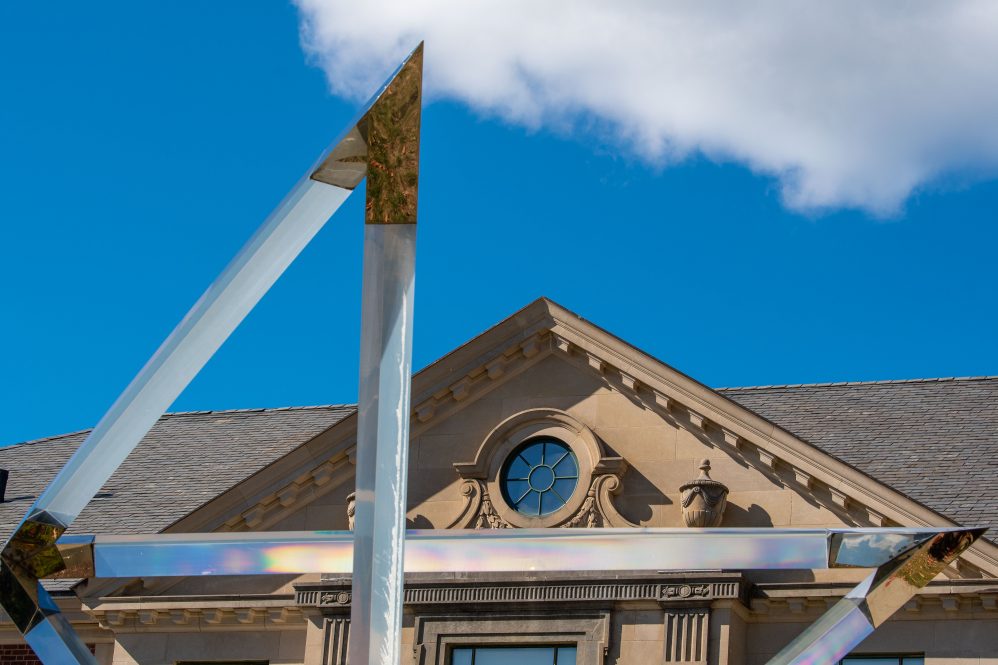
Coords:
704,499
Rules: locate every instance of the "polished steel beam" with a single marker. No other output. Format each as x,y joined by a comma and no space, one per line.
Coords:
381,145
904,560
381,473
875,599
507,550
30,552
391,132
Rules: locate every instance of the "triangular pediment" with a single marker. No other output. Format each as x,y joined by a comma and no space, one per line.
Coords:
659,421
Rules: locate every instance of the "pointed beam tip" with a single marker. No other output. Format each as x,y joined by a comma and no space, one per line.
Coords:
346,163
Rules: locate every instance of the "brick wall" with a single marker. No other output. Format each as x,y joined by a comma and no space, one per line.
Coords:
21,654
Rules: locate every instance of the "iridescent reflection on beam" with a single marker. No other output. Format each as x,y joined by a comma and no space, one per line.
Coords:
905,560
537,550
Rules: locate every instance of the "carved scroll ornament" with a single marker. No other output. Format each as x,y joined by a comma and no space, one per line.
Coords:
590,505
597,509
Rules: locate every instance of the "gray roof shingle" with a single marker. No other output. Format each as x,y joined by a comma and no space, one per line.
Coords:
934,440
186,460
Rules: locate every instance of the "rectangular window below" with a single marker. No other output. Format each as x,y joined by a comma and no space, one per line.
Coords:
223,662
539,655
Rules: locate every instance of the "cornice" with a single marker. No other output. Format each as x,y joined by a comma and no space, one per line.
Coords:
542,329
722,423
977,598
698,589
326,461
307,487
786,600
507,360
184,614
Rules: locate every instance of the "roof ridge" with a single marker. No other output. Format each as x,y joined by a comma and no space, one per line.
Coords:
261,409
314,407
882,382
44,439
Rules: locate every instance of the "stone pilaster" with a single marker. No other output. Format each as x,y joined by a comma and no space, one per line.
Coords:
686,635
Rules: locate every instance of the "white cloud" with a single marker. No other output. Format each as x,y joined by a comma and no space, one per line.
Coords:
848,104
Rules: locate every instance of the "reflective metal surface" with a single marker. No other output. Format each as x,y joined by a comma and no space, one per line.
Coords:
481,551
77,554
55,641
390,129
866,548
192,343
905,560
384,146
30,553
876,598
382,442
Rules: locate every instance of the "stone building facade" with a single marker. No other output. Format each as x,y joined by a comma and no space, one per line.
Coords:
638,432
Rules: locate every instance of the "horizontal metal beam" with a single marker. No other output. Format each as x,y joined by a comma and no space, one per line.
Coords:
537,550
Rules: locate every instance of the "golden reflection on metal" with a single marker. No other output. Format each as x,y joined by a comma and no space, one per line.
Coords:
20,598
32,549
904,560
30,554
894,583
384,147
864,609
77,554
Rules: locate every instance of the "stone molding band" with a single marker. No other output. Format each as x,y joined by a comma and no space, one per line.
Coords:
331,596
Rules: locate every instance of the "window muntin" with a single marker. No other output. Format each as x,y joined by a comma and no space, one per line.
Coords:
532,655
539,477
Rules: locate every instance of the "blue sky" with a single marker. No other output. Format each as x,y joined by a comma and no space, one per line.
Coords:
142,144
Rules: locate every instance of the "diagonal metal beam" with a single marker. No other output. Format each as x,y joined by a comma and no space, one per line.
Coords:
383,146
366,149
875,599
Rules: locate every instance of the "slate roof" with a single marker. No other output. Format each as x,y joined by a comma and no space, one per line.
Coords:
186,460
935,440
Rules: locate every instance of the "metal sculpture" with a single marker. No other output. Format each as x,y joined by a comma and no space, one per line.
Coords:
904,560
383,146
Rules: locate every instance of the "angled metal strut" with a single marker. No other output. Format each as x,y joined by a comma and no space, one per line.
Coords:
383,147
